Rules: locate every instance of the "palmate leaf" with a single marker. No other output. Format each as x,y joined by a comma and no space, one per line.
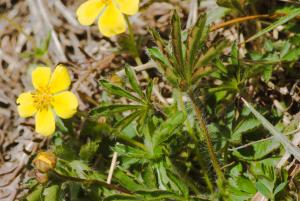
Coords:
116,90
130,73
289,147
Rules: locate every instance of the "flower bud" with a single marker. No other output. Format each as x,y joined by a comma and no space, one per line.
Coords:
45,161
42,178
102,120
115,79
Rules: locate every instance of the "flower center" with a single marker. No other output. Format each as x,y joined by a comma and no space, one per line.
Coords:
42,98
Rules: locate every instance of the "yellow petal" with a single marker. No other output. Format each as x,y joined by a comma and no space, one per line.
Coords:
88,11
60,79
112,21
40,77
129,7
45,122
65,104
26,107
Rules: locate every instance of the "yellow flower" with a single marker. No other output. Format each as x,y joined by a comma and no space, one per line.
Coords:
49,97
111,20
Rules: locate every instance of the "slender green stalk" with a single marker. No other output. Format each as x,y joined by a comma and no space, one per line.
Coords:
131,34
210,148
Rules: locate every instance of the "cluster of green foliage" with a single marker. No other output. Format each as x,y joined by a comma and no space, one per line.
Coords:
190,149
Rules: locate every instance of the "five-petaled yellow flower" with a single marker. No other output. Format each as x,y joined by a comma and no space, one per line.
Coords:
49,97
111,20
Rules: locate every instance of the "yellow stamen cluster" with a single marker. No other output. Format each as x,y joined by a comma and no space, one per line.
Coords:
42,98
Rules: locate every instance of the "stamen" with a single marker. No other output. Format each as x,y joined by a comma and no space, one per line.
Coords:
42,98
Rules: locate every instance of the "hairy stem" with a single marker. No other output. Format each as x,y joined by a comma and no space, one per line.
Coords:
210,148
193,136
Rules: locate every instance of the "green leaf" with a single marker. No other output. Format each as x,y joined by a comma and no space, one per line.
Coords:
234,54
121,197
79,168
244,126
128,182
127,120
166,129
131,152
267,73
195,40
292,14
289,147
158,195
184,190
258,150
177,42
133,80
263,189
149,90
211,53
51,193
246,185
149,176
163,64
157,55
280,187
88,151
116,90
161,44
109,109
292,55
36,194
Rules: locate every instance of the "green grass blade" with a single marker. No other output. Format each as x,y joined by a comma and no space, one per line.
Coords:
279,22
289,147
